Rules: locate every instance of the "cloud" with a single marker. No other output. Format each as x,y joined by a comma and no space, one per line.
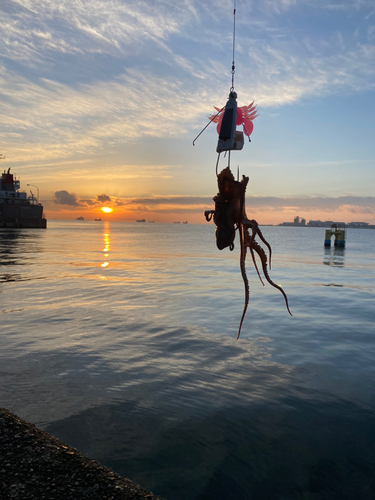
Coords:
165,204
355,204
65,198
34,28
265,209
48,120
174,54
55,120
293,71
357,209
103,197
185,204
88,202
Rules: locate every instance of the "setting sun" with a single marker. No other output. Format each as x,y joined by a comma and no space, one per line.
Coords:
107,210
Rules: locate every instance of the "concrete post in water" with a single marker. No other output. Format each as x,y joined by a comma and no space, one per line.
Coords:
340,236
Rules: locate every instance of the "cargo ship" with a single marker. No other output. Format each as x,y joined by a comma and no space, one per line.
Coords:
16,208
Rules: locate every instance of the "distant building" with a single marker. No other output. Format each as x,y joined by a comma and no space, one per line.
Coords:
297,222
326,223
364,225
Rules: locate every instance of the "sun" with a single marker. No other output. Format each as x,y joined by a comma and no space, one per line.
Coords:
106,210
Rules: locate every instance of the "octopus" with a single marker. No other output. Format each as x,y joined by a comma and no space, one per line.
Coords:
230,216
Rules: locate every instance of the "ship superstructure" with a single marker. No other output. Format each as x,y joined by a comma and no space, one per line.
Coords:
17,209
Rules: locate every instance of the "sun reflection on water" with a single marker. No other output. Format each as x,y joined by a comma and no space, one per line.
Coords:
106,249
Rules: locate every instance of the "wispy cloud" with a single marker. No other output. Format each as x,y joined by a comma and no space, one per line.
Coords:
358,209
286,74
59,119
81,77
90,26
53,120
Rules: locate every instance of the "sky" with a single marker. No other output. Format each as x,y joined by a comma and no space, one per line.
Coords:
100,101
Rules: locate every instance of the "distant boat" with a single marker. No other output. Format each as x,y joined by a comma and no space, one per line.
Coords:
178,222
185,222
98,220
141,220
80,218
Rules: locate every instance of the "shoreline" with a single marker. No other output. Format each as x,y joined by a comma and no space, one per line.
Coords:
34,464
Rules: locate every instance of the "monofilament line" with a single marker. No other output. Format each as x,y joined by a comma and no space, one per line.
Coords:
234,41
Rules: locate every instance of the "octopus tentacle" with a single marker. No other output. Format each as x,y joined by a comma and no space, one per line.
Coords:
263,258
254,225
208,214
260,234
251,239
244,275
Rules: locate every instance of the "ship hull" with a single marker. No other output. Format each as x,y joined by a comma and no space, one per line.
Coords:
17,215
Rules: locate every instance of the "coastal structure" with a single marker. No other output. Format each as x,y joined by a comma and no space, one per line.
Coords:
296,222
351,225
340,236
326,223
359,225
299,221
16,208
35,464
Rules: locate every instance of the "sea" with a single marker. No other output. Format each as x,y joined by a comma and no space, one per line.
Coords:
120,339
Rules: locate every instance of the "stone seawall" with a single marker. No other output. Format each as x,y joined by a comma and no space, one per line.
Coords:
35,465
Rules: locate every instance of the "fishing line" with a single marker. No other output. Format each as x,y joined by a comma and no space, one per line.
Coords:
234,43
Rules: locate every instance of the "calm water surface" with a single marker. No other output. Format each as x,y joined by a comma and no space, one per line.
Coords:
120,339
